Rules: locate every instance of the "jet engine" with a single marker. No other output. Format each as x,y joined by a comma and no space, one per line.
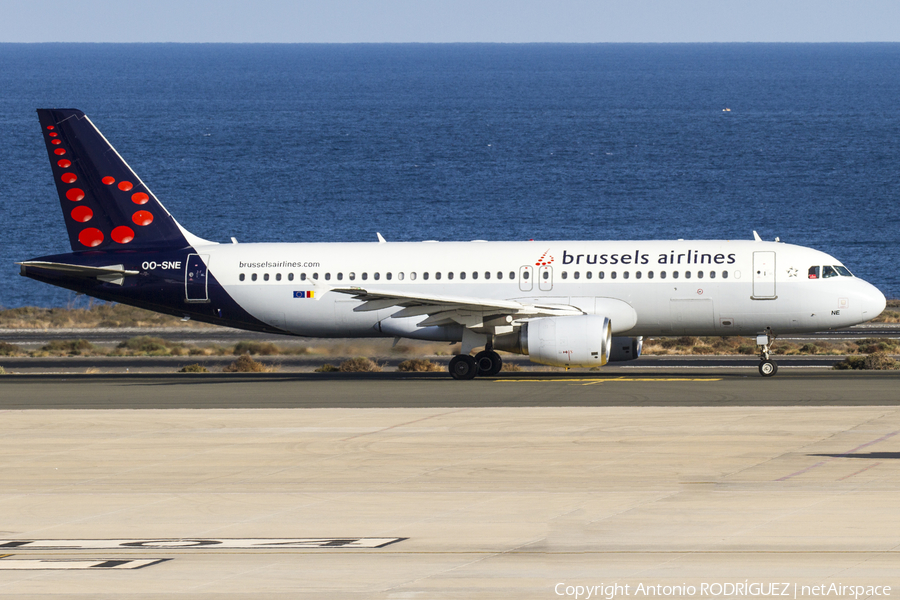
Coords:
626,348
576,341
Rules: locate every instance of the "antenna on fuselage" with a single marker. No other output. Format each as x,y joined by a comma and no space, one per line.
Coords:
381,239
756,236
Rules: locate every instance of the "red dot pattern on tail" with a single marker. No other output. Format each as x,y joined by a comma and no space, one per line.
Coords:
142,218
82,214
122,234
90,237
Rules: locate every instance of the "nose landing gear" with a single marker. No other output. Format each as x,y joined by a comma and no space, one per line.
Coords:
767,366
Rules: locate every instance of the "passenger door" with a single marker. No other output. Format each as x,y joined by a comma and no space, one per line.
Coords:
764,275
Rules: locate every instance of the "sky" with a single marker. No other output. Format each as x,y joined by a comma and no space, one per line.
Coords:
436,21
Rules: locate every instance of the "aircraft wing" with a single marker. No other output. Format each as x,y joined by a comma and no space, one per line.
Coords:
465,310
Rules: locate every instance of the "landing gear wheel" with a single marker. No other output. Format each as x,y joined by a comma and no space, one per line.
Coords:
463,366
489,363
768,368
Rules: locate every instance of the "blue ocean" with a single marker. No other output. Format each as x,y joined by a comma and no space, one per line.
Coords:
456,142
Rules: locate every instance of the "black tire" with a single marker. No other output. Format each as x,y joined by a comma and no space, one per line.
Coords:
489,363
768,368
463,367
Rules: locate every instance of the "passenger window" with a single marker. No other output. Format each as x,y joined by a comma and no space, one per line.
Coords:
588,274
474,274
253,277
290,276
577,274
712,274
386,276
601,275
687,274
525,275
302,276
340,277
400,276
412,276
277,276
327,276
662,274
376,276
612,275
724,274
512,275
450,275
266,277
425,275
626,274
814,272
351,276
699,274
487,275
462,275
637,275
437,275
316,276
241,277
565,275
844,271
649,274
674,274
365,276
828,271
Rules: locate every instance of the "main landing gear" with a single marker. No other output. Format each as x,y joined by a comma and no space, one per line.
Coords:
487,363
767,366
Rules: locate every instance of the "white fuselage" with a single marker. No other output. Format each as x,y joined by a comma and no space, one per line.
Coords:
674,287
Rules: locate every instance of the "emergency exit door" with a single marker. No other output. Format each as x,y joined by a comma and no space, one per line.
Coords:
764,275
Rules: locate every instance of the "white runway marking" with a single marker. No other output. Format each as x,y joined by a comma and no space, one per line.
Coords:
34,564
179,544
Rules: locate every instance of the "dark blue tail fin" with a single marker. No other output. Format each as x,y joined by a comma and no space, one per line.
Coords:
105,204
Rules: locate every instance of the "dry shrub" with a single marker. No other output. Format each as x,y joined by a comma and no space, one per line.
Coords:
327,368
511,367
2,371
258,348
879,361
7,349
419,365
150,346
359,364
194,368
245,364
872,345
71,347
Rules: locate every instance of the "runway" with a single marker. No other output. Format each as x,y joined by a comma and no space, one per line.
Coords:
390,486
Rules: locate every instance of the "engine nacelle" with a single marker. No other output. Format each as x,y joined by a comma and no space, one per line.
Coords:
576,341
626,348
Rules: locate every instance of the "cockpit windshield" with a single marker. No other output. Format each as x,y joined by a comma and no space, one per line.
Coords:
817,272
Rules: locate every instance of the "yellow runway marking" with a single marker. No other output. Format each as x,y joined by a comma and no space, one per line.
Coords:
592,381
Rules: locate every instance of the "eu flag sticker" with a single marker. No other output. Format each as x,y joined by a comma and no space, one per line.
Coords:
309,294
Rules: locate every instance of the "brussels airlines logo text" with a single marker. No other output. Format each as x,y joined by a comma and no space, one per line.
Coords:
691,257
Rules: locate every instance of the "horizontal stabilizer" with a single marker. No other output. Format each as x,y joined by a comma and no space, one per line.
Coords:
111,274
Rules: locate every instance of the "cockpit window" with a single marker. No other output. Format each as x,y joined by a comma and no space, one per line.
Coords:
844,271
828,271
814,272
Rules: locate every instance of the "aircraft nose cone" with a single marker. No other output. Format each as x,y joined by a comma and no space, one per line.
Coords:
873,303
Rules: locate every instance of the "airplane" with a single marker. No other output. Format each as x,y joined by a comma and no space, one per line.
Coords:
562,303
